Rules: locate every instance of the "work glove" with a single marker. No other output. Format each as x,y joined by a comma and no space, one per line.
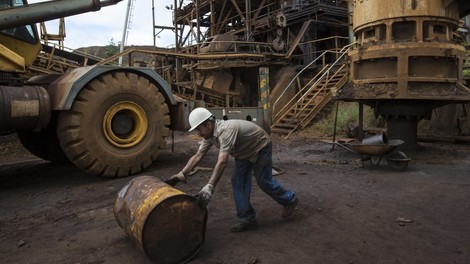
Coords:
174,179
204,196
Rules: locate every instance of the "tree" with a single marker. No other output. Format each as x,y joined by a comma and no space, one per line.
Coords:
112,49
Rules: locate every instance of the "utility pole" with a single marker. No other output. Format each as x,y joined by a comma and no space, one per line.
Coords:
127,26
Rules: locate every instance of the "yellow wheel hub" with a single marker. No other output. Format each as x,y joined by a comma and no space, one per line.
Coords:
125,124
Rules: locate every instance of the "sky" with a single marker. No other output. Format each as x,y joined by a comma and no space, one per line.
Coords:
102,27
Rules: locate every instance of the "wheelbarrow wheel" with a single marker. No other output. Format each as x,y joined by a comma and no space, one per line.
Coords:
398,160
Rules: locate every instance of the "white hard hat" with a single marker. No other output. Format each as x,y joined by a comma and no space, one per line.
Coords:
198,116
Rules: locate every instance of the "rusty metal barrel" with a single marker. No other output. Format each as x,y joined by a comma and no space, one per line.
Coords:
167,224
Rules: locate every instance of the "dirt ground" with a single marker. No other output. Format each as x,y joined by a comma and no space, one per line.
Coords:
347,213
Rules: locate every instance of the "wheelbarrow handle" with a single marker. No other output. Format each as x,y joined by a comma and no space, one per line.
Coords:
344,146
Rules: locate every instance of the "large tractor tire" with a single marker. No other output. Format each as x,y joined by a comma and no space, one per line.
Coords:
116,126
44,144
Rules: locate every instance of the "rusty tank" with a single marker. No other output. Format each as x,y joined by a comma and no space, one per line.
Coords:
406,61
167,224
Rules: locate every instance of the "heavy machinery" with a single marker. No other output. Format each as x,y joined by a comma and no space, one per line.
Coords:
406,61
245,55
107,120
225,49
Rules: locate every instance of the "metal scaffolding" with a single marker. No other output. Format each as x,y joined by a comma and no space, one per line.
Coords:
226,41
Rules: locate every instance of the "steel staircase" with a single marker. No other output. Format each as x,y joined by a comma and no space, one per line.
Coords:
312,97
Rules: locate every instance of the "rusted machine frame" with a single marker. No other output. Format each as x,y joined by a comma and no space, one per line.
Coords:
269,33
402,54
406,62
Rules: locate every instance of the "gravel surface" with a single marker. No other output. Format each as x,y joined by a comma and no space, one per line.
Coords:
347,213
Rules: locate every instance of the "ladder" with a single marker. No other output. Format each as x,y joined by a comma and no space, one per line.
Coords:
312,97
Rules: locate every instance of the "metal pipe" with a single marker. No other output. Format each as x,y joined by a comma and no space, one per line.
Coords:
177,42
25,108
350,20
248,19
153,28
109,2
361,121
44,11
467,23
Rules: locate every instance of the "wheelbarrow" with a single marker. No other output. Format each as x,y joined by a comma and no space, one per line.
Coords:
373,153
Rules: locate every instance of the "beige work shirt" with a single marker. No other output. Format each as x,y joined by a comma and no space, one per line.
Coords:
242,139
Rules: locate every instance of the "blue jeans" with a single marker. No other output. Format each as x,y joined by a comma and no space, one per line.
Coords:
262,170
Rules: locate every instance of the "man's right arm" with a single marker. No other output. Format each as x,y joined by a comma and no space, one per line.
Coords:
193,162
190,165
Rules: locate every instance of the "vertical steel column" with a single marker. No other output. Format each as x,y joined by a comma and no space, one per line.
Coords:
264,96
264,86
467,23
177,47
153,28
198,25
212,30
248,19
350,20
361,121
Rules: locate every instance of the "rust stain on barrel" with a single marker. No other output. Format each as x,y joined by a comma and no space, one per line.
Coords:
165,223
